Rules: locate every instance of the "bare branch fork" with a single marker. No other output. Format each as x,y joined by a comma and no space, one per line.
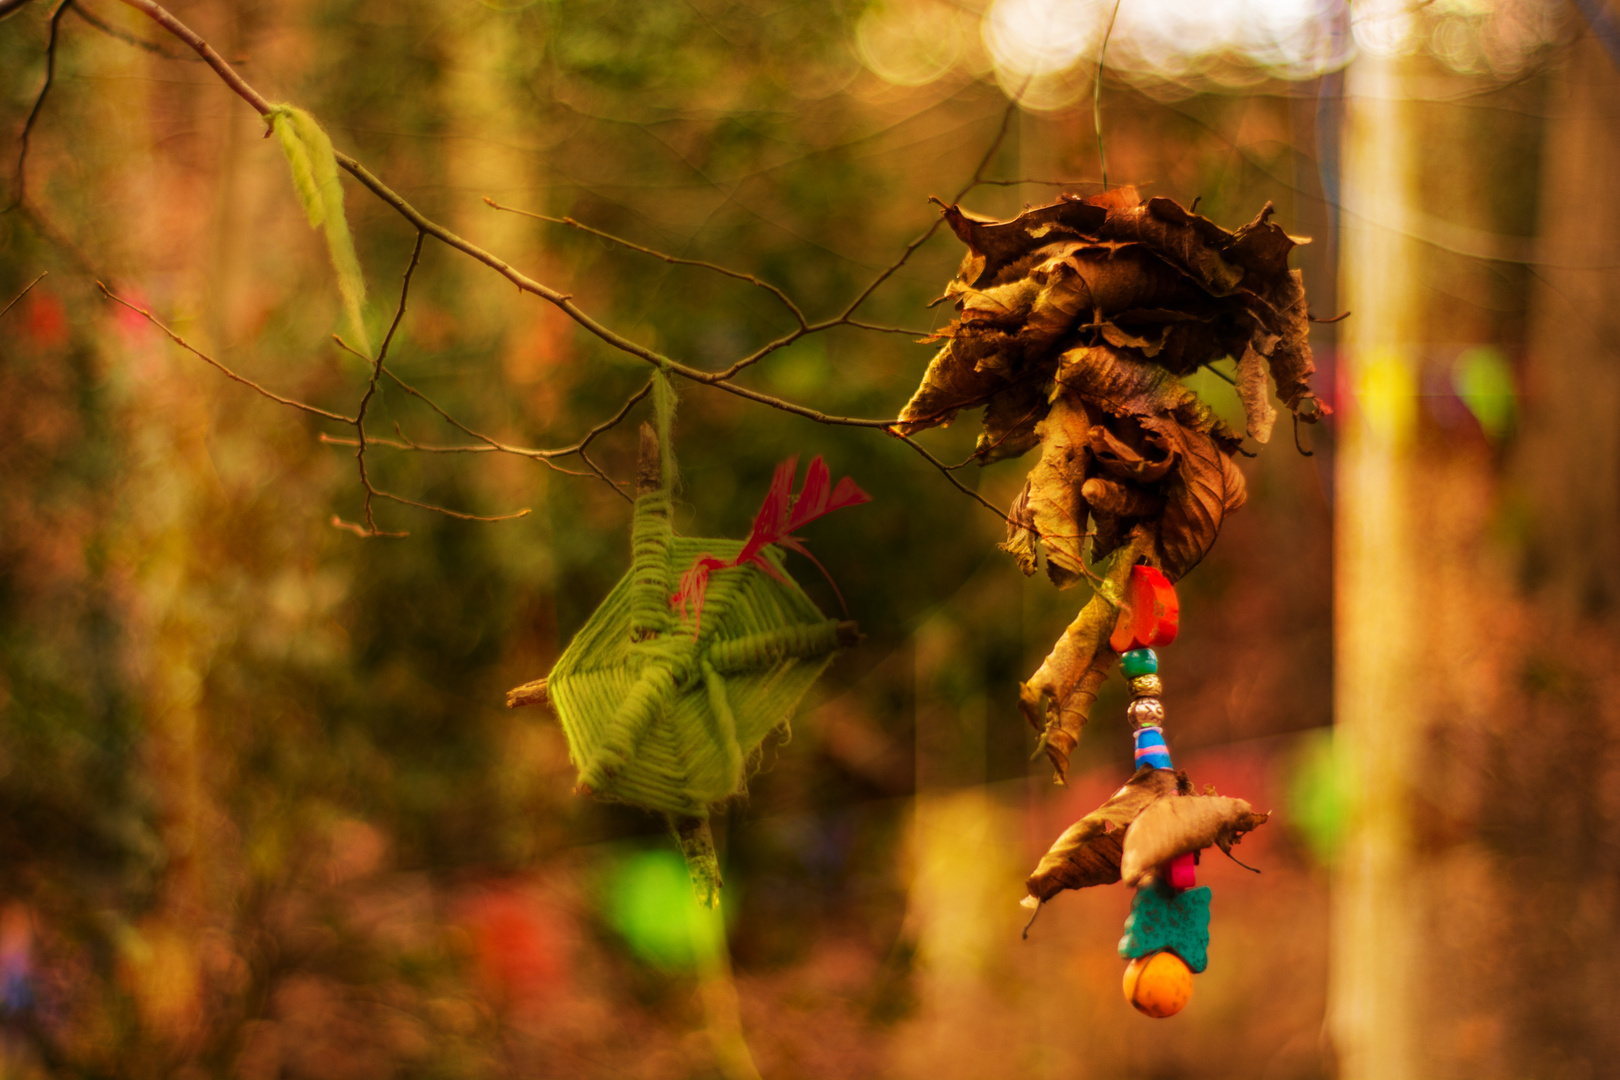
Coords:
426,227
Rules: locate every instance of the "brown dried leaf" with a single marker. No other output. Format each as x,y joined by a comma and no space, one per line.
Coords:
1190,242
1149,345
1051,505
1110,278
1021,543
1148,281
1087,853
1120,459
1256,398
1120,499
1126,385
994,245
954,381
1261,247
1002,306
1285,315
1057,699
1166,828
1206,487
1010,421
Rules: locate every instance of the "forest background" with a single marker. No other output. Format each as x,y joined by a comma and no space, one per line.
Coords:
265,813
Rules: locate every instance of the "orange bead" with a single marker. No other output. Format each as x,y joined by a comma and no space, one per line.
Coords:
1149,612
1158,984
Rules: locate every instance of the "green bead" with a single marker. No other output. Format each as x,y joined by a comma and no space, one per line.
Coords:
1139,662
1164,919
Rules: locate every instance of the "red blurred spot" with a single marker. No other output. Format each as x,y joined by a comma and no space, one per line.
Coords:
517,945
46,322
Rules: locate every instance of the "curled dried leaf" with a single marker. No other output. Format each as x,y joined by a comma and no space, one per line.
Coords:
1120,499
1206,487
1167,828
1010,421
1051,509
1087,853
954,382
1251,388
1057,699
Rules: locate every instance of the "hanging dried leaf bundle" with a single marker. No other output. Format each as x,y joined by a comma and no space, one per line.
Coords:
1075,323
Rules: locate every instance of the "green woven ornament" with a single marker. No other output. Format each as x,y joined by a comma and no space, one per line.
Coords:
665,698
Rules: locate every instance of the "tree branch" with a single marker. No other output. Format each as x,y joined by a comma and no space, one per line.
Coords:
720,379
19,180
97,22
495,445
227,372
26,290
371,385
159,15
665,256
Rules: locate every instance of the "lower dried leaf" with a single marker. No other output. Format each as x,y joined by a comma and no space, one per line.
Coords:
1171,827
1087,853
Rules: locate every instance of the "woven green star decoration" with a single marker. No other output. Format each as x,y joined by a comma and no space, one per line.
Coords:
666,697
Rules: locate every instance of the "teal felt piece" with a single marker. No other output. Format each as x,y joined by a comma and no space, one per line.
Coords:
1163,919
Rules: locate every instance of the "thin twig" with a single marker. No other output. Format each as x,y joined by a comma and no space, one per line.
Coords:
493,444
159,15
227,372
376,373
945,471
1039,183
363,532
447,512
876,329
664,256
19,181
127,38
1096,95
500,266
973,182
26,290
721,379
406,443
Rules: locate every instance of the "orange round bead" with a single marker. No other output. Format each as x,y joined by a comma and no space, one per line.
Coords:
1158,984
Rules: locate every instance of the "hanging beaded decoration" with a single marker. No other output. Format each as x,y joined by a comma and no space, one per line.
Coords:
1150,832
1078,326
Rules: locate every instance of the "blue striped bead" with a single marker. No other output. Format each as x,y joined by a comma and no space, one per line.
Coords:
1151,749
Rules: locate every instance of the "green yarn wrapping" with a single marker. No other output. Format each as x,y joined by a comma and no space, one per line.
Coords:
660,718
669,722
315,176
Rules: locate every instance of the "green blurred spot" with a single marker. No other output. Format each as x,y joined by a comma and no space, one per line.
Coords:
1214,388
650,903
1484,381
1320,795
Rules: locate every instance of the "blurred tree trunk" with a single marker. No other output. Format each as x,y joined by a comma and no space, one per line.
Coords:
1371,999
1554,820
1569,462
1477,583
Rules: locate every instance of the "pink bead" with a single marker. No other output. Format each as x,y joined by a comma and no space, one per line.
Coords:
1183,872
